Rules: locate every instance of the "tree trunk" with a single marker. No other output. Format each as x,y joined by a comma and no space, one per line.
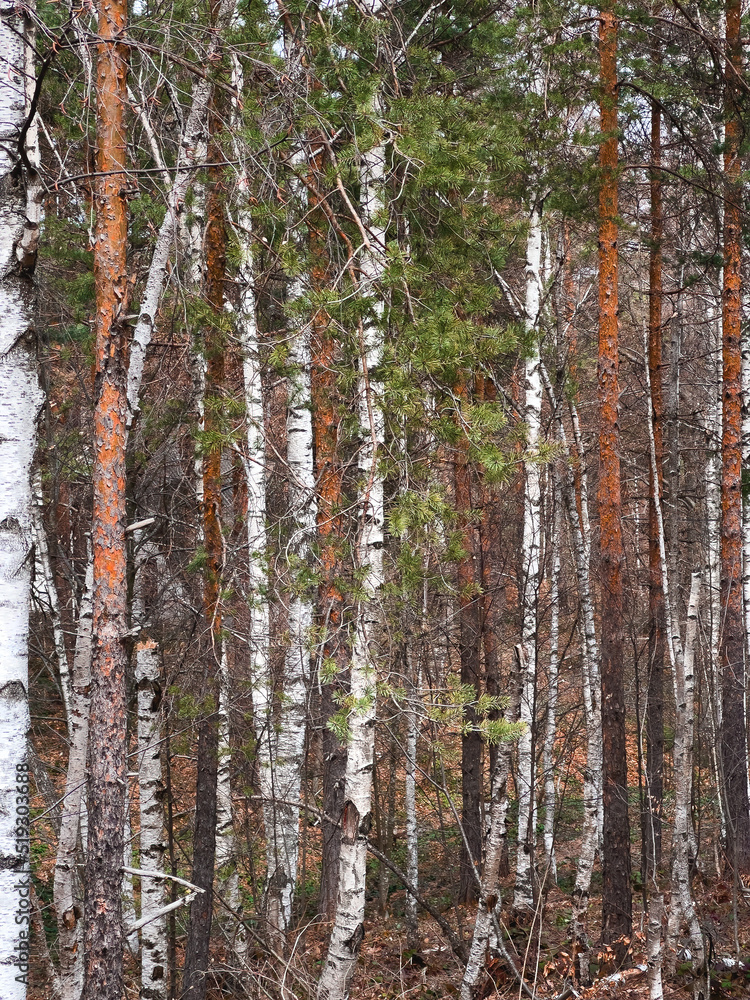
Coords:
733,733
204,839
681,907
19,403
592,705
67,891
616,900
523,898
655,696
154,968
552,687
348,928
410,800
681,661
470,637
191,140
329,473
107,758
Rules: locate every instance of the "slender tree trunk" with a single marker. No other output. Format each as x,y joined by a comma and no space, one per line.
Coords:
329,473
255,517
552,689
655,696
712,564
45,573
592,707
204,839
681,908
348,928
469,645
616,900
654,948
67,890
682,663
292,721
107,758
19,403
154,968
192,143
410,799
733,734
523,898
488,911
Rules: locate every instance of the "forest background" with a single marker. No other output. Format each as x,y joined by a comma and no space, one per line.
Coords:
374,522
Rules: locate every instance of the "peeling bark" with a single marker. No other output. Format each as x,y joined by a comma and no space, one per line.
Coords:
20,399
107,758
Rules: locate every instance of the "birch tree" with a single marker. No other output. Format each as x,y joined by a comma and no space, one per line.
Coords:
348,928
19,404
530,566
154,968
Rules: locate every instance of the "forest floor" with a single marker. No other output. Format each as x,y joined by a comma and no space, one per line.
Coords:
388,968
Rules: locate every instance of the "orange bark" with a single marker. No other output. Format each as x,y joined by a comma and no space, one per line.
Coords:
616,901
734,737
108,720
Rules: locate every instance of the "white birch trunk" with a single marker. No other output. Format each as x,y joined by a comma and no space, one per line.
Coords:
20,400
290,735
348,929
45,574
488,911
67,891
128,894
191,145
551,732
592,705
681,909
523,898
712,565
255,478
654,950
154,951
226,862
287,748
410,808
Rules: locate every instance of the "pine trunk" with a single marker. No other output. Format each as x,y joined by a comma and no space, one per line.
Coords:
107,757
329,473
470,637
616,900
733,733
